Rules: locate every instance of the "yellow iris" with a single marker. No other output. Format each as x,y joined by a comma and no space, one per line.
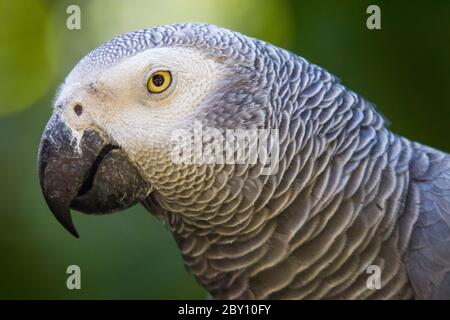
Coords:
159,81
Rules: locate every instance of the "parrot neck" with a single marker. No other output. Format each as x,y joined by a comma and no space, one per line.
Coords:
299,237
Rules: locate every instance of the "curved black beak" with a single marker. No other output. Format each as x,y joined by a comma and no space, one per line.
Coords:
85,173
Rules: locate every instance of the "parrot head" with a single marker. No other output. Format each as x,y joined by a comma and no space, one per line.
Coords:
107,145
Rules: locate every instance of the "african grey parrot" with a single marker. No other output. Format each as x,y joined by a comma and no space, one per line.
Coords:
348,193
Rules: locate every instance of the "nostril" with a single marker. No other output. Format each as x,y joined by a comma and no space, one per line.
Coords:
78,109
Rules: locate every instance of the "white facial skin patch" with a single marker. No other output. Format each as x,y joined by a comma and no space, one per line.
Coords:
117,101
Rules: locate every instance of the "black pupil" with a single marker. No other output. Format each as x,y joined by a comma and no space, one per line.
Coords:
158,80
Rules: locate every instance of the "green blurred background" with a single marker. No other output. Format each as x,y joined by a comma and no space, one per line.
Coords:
404,68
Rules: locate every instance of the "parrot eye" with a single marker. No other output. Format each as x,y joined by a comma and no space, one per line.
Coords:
159,81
